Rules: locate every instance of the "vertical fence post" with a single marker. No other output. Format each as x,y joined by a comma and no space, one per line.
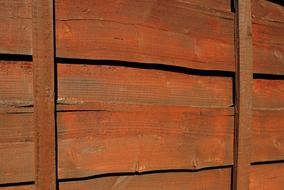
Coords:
44,94
243,96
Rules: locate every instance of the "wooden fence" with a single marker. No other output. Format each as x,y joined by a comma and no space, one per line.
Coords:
125,94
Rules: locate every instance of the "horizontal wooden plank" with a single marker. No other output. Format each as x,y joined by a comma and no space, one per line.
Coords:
142,32
169,32
267,136
142,138
268,94
79,84
156,138
148,137
267,176
209,180
268,10
15,83
16,36
93,83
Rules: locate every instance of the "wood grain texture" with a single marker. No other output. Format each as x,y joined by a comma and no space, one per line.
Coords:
267,136
16,30
168,32
169,138
16,86
141,31
81,84
139,138
243,96
268,94
91,83
268,11
44,98
267,176
209,180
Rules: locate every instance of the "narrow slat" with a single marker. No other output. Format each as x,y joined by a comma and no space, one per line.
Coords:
243,96
44,94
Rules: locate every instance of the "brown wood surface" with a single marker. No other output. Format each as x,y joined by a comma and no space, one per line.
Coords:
16,86
243,96
266,177
129,139
81,84
44,100
268,94
209,180
268,10
88,141
267,135
145,33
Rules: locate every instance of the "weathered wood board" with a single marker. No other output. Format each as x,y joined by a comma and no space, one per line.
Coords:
142,32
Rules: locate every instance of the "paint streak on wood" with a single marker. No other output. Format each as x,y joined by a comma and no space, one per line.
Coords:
179,37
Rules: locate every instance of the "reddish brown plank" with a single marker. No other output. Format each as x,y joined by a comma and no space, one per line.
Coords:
79,84
43,52
268,136
268,94
138,138
90,83
209,180
147,34
82,132
16,85
243,96
268,47
16,30
168,32
267,176
268,10
156,138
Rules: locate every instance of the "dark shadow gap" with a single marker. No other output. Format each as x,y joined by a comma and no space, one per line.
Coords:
233,6
153,66
141,173
15,57
268,76
268,162
279,2
17,184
